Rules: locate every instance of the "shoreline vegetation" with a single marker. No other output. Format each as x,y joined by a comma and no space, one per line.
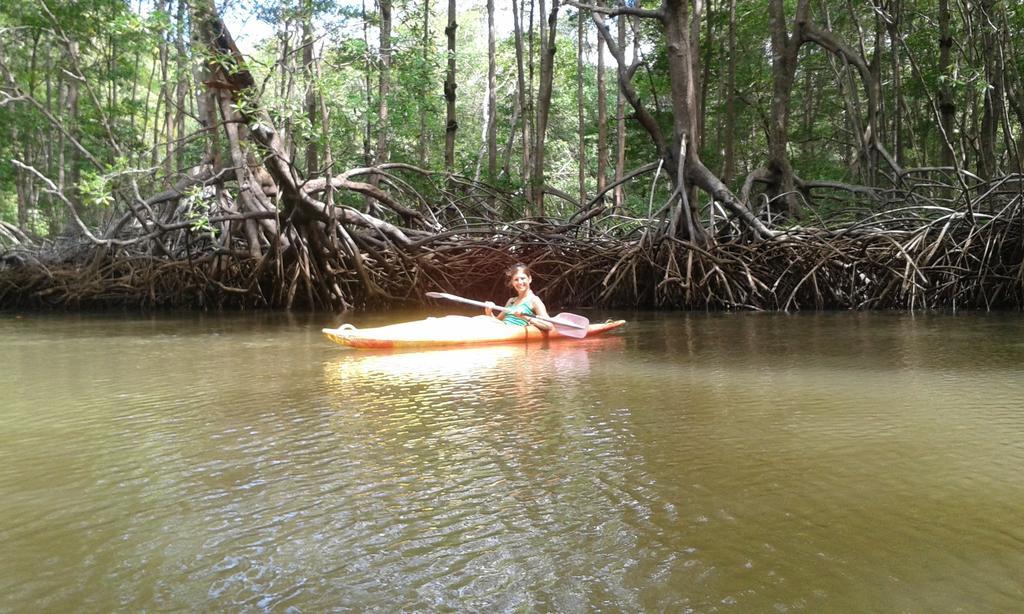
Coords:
911,257
240,204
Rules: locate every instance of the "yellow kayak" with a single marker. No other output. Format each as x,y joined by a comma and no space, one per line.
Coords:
450,331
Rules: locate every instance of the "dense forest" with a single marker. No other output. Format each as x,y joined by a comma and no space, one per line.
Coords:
787,154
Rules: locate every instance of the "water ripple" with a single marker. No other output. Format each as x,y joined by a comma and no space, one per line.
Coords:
690,466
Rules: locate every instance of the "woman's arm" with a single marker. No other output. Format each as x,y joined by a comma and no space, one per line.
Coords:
539,309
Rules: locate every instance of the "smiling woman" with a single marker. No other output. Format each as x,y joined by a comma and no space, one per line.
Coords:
525,308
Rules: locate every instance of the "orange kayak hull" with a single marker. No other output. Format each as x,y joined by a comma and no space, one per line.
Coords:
450,331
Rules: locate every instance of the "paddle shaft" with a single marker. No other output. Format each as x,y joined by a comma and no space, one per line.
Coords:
469,301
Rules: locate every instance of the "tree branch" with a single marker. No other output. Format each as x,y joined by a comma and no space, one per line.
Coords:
642,114
619,10
52,188
56,123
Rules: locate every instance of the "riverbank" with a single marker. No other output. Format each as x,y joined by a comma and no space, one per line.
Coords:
945,264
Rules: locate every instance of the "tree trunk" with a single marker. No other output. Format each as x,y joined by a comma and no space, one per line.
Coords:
210,33
896,64
206,106
580,106
506,165
620,127
784,63
992,109
69,160
729,164
286,65
602,120
686,168
451,124
325,127
492,98
1015,100
547,74
368,90
182,105
383,153
868,157
423,106
309,70
164,102
20,185
682,154
526,111
947,107
705,80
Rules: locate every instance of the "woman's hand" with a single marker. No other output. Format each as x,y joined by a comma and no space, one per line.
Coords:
488,307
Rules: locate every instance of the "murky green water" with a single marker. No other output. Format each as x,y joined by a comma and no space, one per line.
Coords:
722,462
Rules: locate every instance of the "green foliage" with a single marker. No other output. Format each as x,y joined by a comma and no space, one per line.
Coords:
9,208
118,54
95,190
197,210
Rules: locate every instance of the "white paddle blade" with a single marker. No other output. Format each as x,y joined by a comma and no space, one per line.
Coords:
571,325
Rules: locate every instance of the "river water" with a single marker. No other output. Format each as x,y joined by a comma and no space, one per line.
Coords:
692,462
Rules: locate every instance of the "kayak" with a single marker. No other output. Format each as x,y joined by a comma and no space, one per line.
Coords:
449,331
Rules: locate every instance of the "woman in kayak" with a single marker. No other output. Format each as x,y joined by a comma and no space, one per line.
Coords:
525,305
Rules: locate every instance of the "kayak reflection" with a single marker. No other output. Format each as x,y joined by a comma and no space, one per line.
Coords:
463,365
453,398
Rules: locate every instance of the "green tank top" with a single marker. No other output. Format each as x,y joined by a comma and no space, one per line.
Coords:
514,320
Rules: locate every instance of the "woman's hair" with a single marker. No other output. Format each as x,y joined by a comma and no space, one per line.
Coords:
511,271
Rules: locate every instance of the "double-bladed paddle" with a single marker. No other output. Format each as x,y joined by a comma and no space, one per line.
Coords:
567,324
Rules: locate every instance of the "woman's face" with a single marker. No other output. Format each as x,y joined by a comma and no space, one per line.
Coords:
521,281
